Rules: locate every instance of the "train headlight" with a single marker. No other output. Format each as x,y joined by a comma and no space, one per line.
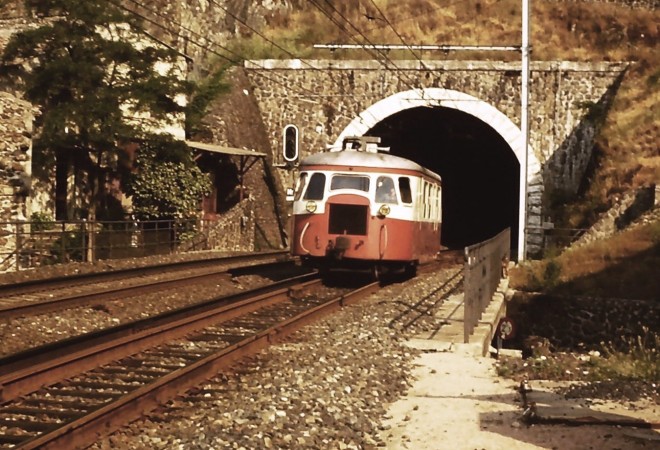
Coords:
384,210
310,206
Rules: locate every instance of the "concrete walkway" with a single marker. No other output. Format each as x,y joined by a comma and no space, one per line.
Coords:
458,401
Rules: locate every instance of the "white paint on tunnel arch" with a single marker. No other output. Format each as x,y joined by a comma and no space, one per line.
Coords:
448,98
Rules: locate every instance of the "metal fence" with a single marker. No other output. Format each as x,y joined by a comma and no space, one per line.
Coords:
485,265
26,244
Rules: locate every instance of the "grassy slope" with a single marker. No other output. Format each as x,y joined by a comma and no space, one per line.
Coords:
627,153
624,266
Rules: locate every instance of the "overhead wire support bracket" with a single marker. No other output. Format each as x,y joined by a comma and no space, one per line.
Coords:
444,48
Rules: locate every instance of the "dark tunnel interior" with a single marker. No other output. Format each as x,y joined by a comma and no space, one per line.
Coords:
480,172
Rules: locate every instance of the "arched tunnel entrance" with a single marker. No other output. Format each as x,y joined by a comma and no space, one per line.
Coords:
479,170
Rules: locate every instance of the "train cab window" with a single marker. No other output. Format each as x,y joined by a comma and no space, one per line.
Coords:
404,190
357,182
315,187
385,192
300,186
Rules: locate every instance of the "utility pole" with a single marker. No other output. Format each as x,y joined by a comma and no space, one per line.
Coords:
524,128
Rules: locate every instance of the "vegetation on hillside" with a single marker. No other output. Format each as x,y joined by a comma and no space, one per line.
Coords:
625,266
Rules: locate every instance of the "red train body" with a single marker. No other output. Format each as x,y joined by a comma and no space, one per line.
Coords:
360,209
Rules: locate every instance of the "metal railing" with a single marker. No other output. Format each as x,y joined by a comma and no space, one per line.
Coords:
485,265
27,244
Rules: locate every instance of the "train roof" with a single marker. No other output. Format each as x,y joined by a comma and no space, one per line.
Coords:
364,159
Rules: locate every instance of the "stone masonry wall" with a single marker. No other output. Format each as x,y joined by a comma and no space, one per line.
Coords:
570,323
628,209
322,100
234,120
16,118
233,232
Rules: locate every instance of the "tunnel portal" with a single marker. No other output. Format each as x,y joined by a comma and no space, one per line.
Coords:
480,172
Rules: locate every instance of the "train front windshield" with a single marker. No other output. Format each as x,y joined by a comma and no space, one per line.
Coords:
316,187
385,191
357,182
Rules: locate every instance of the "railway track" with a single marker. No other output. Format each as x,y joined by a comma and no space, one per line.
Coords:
425,307
47,295
116,375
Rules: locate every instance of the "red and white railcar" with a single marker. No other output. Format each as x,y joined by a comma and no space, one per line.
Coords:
358,208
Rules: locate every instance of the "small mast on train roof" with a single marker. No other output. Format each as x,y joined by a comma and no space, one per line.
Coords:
367,144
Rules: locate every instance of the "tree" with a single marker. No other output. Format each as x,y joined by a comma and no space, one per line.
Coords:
164,182
99,82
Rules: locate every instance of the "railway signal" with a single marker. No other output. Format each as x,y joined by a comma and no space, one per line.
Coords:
290,144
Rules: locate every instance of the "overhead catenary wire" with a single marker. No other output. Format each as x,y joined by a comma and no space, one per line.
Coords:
241,57
442,47
342,28
198,44
303,91
170,31
366,39
300,92
398,34
425,13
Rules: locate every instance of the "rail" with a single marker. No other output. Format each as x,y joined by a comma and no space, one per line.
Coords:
122,391
45,295
485,265
24,372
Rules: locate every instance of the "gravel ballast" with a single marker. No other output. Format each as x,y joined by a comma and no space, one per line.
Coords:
328,386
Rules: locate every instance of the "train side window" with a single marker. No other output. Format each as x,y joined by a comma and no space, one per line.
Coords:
385,192
427,200
300,186
359,183
316,187
404,190
431,201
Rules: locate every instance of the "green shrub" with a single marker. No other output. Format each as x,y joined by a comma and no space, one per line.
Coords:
69,247
634,358
42,221
551,274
